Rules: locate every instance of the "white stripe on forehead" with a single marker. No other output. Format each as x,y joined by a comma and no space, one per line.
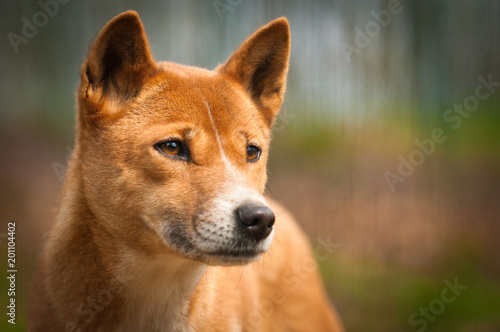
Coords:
235,193
235,174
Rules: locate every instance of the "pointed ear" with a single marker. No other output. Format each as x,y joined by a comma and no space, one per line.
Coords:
118,63
260,64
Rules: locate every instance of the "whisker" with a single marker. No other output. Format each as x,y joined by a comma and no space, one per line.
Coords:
241,277
280,213
270,191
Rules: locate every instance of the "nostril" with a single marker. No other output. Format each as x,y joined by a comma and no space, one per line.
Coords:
250,223
256,220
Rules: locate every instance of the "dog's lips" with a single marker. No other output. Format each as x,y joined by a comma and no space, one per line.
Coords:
235,253
237,248
234,257
241,250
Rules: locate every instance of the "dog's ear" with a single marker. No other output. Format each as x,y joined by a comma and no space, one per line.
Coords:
260,64
118,63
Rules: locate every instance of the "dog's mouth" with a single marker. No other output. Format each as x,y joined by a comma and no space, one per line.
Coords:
235,252
220,249
230,255
219,260
241,255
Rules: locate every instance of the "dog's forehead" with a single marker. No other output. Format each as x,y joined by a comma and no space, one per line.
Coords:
195,95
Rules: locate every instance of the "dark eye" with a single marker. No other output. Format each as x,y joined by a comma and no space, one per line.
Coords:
172,148
253,153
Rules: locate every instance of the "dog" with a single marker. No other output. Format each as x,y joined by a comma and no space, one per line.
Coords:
163,225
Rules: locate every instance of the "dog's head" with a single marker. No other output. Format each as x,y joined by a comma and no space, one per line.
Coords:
179,153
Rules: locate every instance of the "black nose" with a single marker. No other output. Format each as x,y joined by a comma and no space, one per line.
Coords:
256,220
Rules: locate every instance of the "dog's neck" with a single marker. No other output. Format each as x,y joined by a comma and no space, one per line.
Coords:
159,291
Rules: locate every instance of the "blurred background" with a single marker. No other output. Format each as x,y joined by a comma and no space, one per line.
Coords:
387,149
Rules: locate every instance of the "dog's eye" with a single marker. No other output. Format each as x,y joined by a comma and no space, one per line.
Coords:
173,148
253,153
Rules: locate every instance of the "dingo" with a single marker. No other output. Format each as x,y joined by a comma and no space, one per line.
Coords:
163,226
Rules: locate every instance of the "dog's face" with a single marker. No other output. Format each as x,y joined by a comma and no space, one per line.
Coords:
178,154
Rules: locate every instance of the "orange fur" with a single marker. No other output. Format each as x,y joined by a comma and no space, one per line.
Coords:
137,245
